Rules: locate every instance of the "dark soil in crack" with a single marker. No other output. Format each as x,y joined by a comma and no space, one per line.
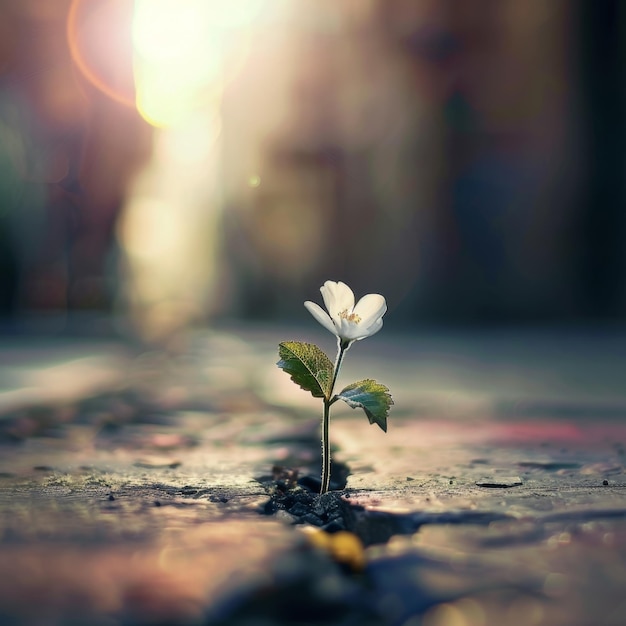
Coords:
294,498
293,501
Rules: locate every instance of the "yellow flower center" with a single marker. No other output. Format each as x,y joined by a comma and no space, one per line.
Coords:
350,317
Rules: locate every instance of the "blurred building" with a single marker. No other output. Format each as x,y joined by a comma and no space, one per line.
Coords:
464,159
67,153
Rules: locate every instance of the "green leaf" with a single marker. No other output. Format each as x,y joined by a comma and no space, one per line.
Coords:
307,365
372,397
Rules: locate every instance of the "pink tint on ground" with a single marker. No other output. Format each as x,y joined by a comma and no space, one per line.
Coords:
554,432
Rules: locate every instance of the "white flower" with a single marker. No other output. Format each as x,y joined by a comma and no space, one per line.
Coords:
345,320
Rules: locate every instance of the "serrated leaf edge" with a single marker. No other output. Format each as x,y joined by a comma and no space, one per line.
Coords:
324,388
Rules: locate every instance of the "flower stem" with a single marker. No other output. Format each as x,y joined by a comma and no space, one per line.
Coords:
325,449
326,420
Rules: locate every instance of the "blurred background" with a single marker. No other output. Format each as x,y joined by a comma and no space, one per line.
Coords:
165,164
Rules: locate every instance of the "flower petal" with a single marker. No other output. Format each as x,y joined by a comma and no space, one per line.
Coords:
350,330
321,316
374,328
370,308
338,297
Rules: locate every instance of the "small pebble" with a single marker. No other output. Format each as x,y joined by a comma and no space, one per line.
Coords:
312,519
299,509
286,517
111,497
605,482
334,526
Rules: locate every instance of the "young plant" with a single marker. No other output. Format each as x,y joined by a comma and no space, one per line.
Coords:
312,370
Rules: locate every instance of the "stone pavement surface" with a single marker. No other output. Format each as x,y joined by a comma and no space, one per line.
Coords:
134,485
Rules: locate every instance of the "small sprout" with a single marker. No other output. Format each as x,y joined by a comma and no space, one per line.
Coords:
314,372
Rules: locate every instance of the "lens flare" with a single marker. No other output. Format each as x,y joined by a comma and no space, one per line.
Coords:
184,53
99,39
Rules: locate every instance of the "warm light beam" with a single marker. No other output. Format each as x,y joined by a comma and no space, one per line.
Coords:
180,52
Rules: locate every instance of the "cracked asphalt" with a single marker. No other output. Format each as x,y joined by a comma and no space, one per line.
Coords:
136,486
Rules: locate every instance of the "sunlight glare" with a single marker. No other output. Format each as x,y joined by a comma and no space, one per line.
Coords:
184,54
180,49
